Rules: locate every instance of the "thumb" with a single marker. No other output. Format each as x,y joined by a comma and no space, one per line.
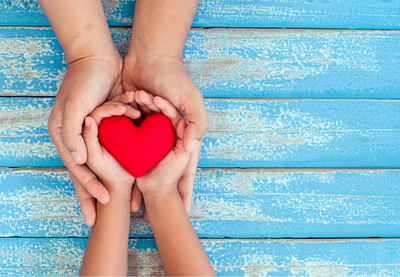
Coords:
182,156
71,131
197,117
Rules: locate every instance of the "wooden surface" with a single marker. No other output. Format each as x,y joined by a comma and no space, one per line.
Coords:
250,63
354,14
243,133
236,203
370,257
304,141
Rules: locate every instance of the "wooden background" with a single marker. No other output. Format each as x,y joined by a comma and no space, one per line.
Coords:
298,175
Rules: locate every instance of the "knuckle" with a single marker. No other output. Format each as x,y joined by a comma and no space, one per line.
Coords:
67,139
92,182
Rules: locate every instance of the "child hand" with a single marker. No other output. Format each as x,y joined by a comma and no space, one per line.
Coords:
163,178
100,161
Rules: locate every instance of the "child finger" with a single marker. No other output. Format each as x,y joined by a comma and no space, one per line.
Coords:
126,98
130,112
142,106
90,136
108,110
147,99
168,110
180,128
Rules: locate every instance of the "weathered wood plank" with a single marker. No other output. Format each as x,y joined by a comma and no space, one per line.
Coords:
235,203
243,133
366,257
357,14
233,62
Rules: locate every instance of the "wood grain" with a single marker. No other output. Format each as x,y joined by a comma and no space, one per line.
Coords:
356,14
236,203
375,257
244,63
243,133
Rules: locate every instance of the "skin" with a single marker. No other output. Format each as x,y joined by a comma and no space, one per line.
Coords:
106,252
96,73
107,248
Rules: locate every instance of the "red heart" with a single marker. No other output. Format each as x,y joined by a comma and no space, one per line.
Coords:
137,149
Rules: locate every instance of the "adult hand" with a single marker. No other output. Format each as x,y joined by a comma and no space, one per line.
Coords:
93,73
166,77
87,84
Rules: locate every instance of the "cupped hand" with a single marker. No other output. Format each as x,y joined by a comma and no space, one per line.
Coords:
163,178
109,171
88,83
166,77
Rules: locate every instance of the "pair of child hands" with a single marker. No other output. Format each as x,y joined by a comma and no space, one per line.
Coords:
159,181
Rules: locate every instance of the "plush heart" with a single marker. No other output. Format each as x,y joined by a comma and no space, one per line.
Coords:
137,149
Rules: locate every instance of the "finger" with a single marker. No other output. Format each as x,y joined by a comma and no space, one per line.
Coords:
113,109
181,156
88,206
129,99
81,172
71,129
90,135
180,128
89,180
136,199
143,106
148,100
186,182
126,98
168,110
197,117
130,112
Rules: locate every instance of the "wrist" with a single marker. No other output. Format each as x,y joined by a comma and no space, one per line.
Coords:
146,50
98,47
121,191
158,196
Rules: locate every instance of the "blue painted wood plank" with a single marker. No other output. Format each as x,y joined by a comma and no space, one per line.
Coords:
373,257
243,63
243,133
248,203
356,14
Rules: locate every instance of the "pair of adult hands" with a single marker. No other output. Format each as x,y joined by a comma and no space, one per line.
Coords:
91,81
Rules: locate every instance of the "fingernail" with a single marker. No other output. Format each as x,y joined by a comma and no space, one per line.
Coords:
121,108
77,157
127,92
87,122
193,145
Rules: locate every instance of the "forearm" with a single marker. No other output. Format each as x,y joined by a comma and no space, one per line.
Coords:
160,27
180,249
80,26
107,248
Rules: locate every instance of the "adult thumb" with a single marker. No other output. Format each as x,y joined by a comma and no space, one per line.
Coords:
197,117
71,131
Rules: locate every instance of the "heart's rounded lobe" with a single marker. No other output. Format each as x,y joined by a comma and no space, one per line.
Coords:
137,149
